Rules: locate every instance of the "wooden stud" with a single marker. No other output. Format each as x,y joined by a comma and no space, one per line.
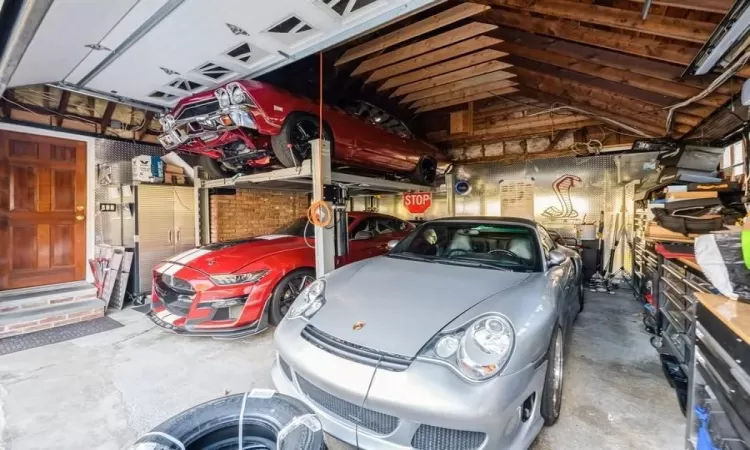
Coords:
468,99
461,93
496,76
479,69
419,48
670,27
555,140
437,56
449,66
459,122
141,133
471,118
62,107
106,119
434,22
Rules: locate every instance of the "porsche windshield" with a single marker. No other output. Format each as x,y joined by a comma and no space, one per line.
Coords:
501,246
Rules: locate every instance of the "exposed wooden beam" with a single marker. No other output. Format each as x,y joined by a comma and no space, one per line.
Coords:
555,140
455,94
519,132
669,88
107,116
479,69
715,6
419,48
431,23
491,77
552,121
141,133
62,107
448,66
574,31
452,51
471,98
670,27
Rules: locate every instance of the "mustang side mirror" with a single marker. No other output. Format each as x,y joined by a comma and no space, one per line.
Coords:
556,257
392,244
362,235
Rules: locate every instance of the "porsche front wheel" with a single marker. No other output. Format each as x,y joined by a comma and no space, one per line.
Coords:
553,382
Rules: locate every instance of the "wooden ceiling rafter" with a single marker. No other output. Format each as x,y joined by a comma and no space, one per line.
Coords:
714,6
106,119
469,72
62,107
462,93
467,99
522,132
491,77
418,48
411,31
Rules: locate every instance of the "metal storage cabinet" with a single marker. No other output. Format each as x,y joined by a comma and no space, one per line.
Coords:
164,226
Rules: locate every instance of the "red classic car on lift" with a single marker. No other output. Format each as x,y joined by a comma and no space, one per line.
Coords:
234,289
252,124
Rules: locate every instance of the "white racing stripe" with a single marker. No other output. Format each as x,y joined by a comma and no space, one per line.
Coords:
269,237
181,259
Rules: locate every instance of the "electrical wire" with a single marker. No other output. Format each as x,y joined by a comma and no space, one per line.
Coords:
317,217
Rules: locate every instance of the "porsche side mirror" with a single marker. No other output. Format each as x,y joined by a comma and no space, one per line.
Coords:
556,257
392,244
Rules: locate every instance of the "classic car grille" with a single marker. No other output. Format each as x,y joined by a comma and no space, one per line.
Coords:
285,368
353,352
176,301
199,109
428,437
372,420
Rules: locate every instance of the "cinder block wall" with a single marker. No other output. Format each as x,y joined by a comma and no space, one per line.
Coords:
252,213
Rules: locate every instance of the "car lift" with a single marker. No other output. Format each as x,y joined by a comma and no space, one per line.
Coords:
314,176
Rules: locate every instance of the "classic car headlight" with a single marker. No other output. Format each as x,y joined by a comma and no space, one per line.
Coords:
478,350
309,301
236,93
222,96
166,122
251,277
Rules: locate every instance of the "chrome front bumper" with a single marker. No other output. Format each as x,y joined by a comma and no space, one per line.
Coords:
206,127
424,398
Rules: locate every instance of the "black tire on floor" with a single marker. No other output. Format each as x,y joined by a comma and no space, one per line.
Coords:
552,394
298,129
287,291
426,171
214,169
214,424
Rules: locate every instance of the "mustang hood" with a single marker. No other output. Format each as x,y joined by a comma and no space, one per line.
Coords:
228,257
403,303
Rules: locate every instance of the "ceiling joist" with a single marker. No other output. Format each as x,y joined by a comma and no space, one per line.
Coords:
448,66
439,20
470,98
522,132
496,86
421,47
492,77
714,6
479,69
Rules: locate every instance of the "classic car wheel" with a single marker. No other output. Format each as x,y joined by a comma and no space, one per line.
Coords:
553,383
287,291
426,171
292,145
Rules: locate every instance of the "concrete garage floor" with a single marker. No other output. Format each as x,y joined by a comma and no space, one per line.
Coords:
104,390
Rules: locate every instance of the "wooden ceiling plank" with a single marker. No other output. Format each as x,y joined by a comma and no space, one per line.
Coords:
461,48
62,107
670,27
497,75
670,88
714,6
550,120
419,48
106,119
519,133
479,69
573,31
460,93
416,29
449,66
468,99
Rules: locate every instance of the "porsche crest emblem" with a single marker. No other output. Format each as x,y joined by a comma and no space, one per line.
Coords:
358,326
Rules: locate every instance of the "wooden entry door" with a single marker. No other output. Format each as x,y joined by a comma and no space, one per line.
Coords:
42,210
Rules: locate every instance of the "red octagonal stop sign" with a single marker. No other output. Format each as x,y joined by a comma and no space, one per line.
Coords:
417,202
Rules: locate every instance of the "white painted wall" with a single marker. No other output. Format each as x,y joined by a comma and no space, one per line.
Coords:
90,179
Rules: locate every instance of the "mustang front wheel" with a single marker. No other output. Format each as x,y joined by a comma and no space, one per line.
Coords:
287,291
553,383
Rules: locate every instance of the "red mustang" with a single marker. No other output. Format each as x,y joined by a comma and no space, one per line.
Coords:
253,124
238,288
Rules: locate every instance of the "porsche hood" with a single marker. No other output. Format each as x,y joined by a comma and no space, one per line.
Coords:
399,305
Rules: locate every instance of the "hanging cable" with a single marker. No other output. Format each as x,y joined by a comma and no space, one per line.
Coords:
320,214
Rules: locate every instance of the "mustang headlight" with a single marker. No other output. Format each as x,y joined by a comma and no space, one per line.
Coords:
236,93
222,96
478,350
309,301
251,277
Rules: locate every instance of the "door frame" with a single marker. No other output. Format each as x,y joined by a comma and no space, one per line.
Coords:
90,182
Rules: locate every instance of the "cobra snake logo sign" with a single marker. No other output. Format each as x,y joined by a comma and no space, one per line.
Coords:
562,187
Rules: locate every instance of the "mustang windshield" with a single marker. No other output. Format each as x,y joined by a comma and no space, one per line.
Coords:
503,246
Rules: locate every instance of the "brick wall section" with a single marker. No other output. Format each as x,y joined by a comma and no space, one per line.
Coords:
253,213
49,322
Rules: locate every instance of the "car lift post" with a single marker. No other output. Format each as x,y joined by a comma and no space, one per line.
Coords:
325,250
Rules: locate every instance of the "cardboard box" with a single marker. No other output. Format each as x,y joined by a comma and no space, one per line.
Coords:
171,168
148,169
174,178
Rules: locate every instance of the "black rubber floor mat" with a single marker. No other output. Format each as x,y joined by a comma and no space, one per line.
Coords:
60,334
143,308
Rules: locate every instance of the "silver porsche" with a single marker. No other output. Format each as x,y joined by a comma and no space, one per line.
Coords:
452,341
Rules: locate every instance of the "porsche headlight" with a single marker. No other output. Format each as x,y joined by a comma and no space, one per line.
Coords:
222,96
478,350
251,277
236,94
309,301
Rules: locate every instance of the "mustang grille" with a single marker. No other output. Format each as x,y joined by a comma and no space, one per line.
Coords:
428,437
372,420
353,352
199,109
285,368
176,302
